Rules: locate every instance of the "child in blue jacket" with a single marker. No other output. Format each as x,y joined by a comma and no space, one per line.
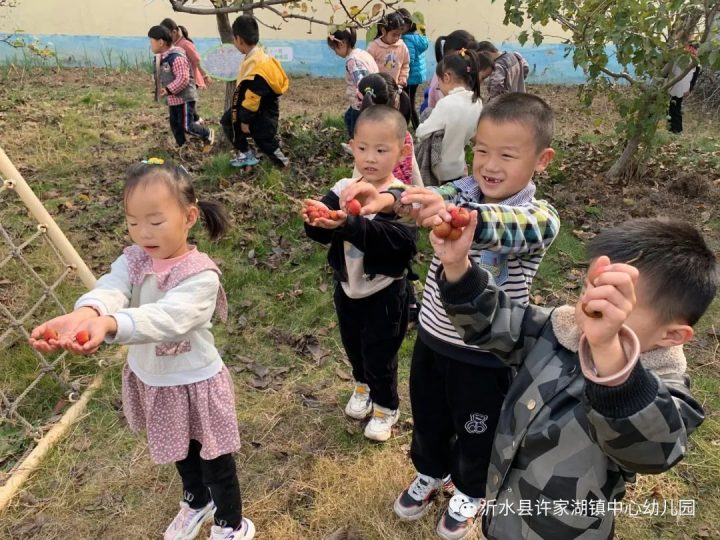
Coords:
417,43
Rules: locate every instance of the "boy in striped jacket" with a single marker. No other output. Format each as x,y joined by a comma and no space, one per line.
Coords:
456,389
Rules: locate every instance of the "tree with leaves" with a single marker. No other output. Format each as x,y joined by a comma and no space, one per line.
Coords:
364,16
647,38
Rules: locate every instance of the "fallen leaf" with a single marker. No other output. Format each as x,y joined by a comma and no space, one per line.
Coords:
342,374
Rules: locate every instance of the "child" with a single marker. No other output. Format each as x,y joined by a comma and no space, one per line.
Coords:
681,89
510,72
381,89
456,390
181,38
600,392
255,109
159,298
459,39
390,52
174,82
370,257
417,43
459,75
358,64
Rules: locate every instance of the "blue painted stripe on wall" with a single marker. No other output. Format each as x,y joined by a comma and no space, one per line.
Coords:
548,63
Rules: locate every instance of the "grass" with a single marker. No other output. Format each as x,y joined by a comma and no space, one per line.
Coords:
305,470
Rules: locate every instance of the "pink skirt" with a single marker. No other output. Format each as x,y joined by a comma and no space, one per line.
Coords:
173,415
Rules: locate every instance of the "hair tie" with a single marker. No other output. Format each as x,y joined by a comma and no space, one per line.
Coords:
462,52
197,201
153,161
369,91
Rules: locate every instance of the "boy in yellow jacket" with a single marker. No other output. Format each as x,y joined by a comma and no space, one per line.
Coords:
255,107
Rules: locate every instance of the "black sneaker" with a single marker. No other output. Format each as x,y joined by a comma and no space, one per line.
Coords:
414,502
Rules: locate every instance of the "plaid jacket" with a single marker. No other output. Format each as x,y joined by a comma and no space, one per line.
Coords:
564,446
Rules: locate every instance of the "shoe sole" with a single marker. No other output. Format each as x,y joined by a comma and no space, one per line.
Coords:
357,417
411,517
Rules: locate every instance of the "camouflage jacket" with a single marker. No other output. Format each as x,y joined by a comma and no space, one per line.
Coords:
564,445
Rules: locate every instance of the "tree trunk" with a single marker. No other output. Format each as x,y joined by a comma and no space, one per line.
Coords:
625,166
226,36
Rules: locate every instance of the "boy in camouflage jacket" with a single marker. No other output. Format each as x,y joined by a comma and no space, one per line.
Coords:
600,392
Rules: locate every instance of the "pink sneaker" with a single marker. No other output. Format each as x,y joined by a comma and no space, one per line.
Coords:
188,522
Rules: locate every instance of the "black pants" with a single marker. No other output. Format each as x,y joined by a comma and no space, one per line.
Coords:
372,330
455,408
675,123
182,121
216,478
414,118
263,130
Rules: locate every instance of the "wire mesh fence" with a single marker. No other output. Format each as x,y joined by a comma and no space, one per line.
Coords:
36,283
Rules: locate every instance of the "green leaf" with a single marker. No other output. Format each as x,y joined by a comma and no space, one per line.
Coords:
523,37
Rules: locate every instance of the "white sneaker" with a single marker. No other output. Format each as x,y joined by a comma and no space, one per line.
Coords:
245,532
379,428
188,522
359,406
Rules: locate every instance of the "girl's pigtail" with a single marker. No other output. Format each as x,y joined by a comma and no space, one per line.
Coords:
214,217
185,33
474,73
439,48
368,97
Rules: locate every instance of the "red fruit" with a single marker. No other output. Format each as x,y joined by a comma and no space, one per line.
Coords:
333,215
82,337
592,276
442,230
354,207
50,333
460,217
454,234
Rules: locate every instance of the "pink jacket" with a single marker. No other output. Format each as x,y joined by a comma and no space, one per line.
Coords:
193,57
393,59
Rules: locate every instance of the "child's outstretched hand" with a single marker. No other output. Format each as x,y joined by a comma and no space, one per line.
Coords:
317,214
89,335
454,253
48,336
371,200
431,206
603,308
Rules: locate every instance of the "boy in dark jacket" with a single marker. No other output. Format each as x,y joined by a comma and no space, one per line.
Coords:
370,256
255,109
600,391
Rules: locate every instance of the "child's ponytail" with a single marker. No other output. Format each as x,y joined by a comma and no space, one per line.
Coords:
214,217
454,41
185,33
381,89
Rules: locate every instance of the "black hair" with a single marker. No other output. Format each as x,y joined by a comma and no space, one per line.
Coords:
246,28
678,270
454,41
178,180
391,21
382,113
408,20
486,47
172,25
160,32
347,36
382,89
525,109
466,66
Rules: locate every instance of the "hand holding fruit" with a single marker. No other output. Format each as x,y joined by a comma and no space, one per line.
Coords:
453,252
459,219
317,214
47,337
431,209
367,197
90,335
606,302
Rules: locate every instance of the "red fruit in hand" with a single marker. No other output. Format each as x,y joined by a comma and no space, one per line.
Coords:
82,337
442,230
50,333
460,217
333,215
354,207
592,276
454,234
